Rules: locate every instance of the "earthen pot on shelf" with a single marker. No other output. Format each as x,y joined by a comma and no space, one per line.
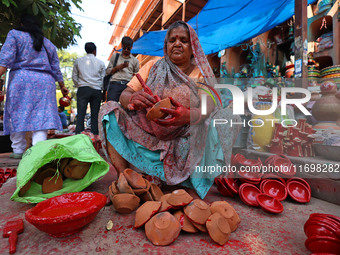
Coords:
145,212
179,198
155,112
218,228
135,180
125,203
197,211
123,185
186,224
162,229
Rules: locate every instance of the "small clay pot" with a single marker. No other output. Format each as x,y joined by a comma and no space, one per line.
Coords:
197,211
125,203
139,192
200,227
162,229
155,191
179,198
25,188
225,209
76,169
43,174
186,224
145,212
123,186
114,188
51,184
218,228
165,205
63,163
135,180
155,112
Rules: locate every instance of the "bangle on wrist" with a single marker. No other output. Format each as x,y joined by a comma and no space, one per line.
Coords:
199,118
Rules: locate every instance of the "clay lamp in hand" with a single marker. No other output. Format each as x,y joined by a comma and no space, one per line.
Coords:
218,228
179,198
125,203
186,224
162,229
155,112
145,212
65,101
197,211
228,212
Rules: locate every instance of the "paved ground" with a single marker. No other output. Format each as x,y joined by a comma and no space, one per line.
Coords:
258,233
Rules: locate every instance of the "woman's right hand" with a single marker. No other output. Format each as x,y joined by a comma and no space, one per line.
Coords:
140,100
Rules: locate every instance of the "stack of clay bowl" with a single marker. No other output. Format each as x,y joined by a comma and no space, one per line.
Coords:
52,175
264,190
130,188
323,233
6,174
162,227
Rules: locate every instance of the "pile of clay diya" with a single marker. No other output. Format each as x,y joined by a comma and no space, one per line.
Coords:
165,216
264,190
5,174
323,233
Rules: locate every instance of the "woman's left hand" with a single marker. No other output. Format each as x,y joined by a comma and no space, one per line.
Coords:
180,115
64,91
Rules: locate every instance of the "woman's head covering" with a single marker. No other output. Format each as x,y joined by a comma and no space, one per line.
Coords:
29,23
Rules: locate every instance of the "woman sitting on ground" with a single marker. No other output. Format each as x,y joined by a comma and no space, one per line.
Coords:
176,148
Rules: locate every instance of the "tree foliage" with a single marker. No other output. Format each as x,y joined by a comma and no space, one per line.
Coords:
58,25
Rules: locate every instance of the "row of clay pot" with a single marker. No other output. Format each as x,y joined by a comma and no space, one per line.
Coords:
162,228
130,188
51,175
6,174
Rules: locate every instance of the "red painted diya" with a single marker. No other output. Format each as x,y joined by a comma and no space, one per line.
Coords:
66,214
65,101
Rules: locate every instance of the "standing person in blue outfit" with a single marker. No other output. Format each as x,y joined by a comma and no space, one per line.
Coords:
62,115
88,74
31,103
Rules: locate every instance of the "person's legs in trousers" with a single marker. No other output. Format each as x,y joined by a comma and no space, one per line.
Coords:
114,90
40,135
18,144
83,95
95,105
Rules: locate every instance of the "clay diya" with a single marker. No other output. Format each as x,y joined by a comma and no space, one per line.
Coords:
66,214
145,212
218,228
303,181
275,189
179,198
323,244
231,184
156,192
200,227
162,229
146,196
155,112
165,205
42,174
223,188
114,188
139,192
51,184
248,193
76,169
135,180
197,211
125,203
319,229
25,188
269,204
186,224
298,192
228,212
123,186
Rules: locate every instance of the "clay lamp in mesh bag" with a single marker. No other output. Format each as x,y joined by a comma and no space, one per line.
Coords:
155,112
123,186
197,211
298,192
65,101
145,212
218,228
269,204
248,193
165,205
156,192
228,212
186,224
162,229
125,203
275,189
179,198
135,180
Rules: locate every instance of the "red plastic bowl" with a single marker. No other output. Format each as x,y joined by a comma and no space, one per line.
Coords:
298,192
323,244
66,214
275,189
269,204
248,194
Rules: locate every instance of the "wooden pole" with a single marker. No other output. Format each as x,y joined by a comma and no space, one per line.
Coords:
301,43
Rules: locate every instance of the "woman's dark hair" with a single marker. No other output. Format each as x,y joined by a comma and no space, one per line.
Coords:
29,23
178,23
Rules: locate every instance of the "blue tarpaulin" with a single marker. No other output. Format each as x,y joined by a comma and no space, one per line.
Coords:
224,24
